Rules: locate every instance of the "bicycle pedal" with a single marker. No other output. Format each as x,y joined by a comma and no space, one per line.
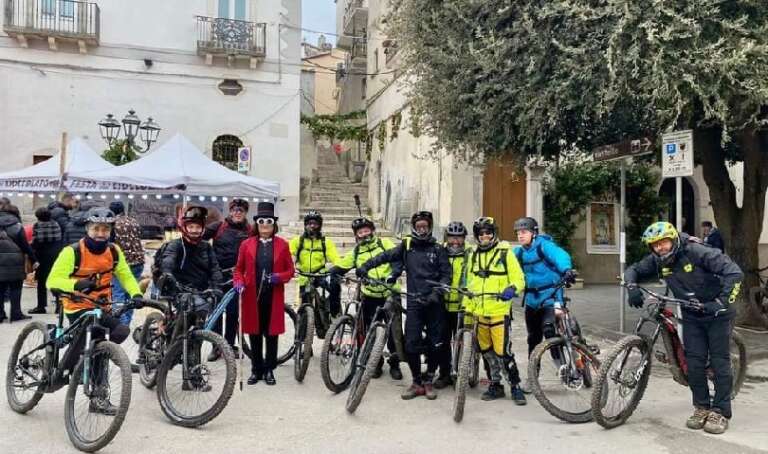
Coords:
661,357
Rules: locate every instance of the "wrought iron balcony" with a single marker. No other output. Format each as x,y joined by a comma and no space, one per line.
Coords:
355,17
68,20
231,38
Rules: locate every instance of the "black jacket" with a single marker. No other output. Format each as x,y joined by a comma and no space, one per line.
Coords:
699,269
60,214
75,229
715,239
227,243
421,260
192,265
13,246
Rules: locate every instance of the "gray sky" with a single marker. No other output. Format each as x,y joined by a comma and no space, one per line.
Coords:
318,15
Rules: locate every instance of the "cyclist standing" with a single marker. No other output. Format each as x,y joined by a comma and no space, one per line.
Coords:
690,268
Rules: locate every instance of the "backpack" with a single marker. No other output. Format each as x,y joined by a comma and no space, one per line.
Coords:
542,258
301,248
155,271
78,256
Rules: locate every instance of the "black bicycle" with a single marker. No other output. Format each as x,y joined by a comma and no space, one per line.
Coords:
99,391
174,352
342,344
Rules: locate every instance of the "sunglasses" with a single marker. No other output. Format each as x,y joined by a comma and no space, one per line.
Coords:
265,221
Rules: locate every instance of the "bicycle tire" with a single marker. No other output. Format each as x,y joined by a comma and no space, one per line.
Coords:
466,350
740,374
10,389
169,361
325,354
533,374
376,339
119,357
147,371
303,353
626,343
289,353
474,376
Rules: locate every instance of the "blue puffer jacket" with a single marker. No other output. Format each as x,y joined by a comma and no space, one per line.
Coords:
542,273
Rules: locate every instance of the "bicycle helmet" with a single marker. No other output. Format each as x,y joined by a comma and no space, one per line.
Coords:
421,216
662,231
358,224
313,215
193,215
456,228
100,215
485,224
527,223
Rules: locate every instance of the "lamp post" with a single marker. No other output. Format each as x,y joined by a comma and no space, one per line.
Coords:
133,128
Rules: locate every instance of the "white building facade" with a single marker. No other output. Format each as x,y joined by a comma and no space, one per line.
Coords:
224,73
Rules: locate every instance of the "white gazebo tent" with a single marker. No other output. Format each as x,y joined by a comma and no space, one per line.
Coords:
177,167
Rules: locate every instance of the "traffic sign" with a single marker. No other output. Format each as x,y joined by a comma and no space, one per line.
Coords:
244,159
677,154
625,148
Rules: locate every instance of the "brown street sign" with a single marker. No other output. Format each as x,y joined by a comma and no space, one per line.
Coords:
625,148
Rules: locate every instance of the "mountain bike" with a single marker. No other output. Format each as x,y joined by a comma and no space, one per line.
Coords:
623,375
562,369
174,352
342,344
99,391
386,320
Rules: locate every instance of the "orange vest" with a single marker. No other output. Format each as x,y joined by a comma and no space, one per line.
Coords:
101,266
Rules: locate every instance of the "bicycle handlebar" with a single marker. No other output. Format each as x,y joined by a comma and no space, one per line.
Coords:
690,304
461,290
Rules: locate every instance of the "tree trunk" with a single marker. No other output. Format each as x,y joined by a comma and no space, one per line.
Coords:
740,226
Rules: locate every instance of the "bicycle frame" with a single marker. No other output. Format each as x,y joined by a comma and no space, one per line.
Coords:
665,322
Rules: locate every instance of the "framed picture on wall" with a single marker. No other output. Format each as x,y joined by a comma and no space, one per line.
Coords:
603,228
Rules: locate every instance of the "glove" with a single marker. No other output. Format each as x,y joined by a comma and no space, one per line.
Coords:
508,293
239,287
361,273
274,279
570,276
635,297
434,298
168,280
137,301
85,285
391,279
713,307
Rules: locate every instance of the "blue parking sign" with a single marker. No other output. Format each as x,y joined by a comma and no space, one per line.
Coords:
671,148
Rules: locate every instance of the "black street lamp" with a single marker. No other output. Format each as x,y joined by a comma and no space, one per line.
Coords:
132,127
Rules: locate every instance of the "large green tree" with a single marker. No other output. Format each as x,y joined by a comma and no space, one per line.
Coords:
494,77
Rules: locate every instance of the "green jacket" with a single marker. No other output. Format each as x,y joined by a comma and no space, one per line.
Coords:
364,252
453,299
503,270
311,258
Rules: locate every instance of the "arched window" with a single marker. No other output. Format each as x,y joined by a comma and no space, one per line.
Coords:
225,150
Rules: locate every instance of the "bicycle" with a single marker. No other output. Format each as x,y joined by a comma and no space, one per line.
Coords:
627,368
759,295
387,319
177,338
575,366
35,368
342,344
466,356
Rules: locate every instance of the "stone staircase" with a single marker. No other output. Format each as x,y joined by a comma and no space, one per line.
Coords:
333,196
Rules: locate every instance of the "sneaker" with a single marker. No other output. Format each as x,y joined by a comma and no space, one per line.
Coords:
395,373
413,392
698,419
378,372
716,423
517,395
37,310
494,391
443,381
102,407
429,391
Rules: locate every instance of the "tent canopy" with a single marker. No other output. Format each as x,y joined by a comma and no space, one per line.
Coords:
176,166
44,177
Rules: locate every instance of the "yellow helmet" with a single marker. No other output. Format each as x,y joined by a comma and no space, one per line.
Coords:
660,231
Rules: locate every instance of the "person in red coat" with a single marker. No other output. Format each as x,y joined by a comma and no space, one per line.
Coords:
264,266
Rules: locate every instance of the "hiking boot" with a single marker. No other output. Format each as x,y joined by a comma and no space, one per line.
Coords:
443,381
698,419
494,391
413,392
37,310
716,423
102,407
214,355
395,373
429,391
378,372
517,395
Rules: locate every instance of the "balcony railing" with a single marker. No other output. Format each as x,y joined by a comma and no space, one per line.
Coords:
67,19
217,36
359,52
355,16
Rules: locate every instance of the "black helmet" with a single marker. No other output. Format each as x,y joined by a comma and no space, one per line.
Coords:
527,223
239,203
456,228
421,216
194,214
100,215
359,223
313,215
485,223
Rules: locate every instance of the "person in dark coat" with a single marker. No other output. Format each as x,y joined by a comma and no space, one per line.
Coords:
712,236
60,210
74,230
13,248
264,266
46,242
227,236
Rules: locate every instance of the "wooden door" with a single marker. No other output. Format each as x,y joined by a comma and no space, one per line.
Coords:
504,195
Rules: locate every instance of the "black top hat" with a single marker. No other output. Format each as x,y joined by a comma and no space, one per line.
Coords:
265,210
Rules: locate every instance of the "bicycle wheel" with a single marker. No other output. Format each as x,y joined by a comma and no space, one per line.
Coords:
286,342
621,381
464,361
151,346
738,362
370,354
196,397
306,334
25,371
561,379
93,417
338,355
